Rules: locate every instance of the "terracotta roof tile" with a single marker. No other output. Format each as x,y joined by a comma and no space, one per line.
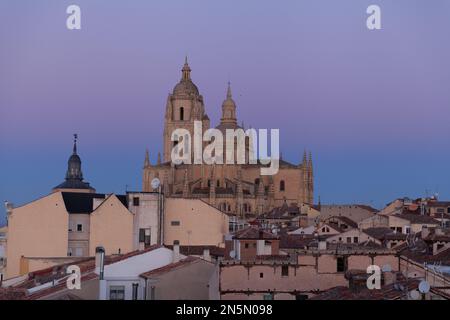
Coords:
254,233
170,267
417,218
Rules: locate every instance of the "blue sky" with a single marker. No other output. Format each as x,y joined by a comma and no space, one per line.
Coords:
372,106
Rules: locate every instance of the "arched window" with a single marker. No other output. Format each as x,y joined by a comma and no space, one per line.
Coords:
218,183
282,185
181,113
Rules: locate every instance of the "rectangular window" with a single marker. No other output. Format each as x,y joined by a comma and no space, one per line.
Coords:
284,271
355,239
341,264
117,293
135,291
136,201
79,227
147,239
349,239
175,223
78,252
152,293
176,242
246,246
261,275
141,235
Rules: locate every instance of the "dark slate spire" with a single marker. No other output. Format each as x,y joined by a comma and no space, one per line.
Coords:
74,164
74,175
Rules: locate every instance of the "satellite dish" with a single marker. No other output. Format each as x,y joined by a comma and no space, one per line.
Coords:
155,183
414,294
424,286
232,254
386,268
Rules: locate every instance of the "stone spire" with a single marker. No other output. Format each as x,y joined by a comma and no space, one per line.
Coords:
229,109
260,197
186,71
229,95
147,159
159,158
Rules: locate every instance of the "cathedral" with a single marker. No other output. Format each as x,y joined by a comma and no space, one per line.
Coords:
233,188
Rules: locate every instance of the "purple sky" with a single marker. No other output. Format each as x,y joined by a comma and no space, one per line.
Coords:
373,106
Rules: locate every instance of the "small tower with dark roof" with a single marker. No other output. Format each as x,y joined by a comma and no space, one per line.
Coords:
74,175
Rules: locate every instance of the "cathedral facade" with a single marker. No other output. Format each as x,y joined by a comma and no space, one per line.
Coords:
233,188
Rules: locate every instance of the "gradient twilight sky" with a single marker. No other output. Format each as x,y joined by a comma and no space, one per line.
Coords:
372,106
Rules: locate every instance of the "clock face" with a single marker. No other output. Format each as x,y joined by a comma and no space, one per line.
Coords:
155,183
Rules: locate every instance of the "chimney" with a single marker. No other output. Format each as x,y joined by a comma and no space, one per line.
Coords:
100,261
206,255
9,208
176,253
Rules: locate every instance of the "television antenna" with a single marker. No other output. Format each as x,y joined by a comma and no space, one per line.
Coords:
424,287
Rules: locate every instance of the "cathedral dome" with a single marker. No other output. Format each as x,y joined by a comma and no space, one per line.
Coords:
185,86
229,103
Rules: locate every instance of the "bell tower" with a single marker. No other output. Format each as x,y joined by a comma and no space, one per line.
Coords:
184,106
